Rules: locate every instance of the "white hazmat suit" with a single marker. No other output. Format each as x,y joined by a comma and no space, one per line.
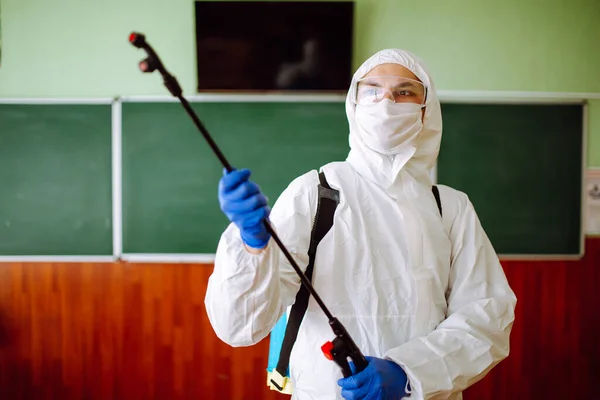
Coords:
424,291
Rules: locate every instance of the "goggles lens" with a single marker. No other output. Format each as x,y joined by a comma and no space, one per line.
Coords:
374,89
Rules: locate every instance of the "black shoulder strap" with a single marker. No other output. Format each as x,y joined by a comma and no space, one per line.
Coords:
328,201
436,194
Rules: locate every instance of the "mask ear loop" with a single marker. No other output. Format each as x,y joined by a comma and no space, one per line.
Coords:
354,91
426,95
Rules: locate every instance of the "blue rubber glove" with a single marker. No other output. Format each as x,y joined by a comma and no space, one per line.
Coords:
243,203
380,380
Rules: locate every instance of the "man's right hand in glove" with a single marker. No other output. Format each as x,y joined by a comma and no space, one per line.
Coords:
243,203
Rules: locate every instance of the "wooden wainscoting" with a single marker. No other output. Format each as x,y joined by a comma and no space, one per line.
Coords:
140,331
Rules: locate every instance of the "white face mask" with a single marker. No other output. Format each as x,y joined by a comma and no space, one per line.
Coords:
387,127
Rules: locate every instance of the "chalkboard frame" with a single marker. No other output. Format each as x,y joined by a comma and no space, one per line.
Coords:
534,98
209,98
451,97
115,181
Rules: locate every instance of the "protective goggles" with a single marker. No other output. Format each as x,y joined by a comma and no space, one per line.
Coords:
373,89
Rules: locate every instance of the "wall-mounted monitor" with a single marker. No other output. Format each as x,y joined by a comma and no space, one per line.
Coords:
258,46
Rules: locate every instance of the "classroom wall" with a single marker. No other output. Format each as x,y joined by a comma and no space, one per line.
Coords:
137,331
79,48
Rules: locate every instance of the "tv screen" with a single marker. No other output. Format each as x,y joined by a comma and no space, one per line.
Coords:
274,46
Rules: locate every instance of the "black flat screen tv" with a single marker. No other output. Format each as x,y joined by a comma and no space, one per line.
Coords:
266,46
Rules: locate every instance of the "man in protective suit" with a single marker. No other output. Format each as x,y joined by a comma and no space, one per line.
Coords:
423,295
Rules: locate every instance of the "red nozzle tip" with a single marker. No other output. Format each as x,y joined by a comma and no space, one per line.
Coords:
326,348
137,39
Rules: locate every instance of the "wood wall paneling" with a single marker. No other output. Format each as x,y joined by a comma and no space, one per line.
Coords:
140,331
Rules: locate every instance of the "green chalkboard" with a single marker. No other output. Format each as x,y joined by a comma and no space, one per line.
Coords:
170,176
55,169
521,166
